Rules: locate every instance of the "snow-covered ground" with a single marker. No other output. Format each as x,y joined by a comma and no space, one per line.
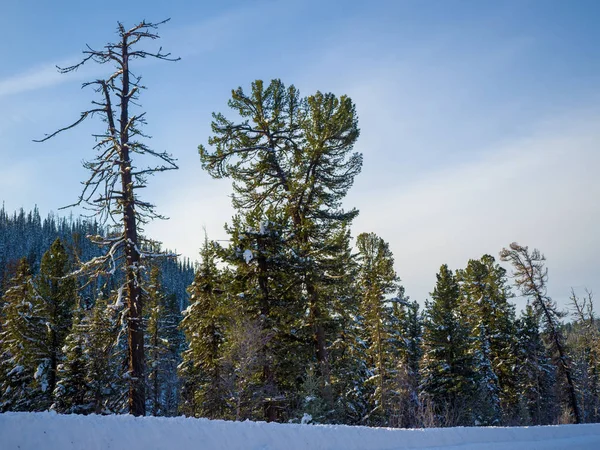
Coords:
65,432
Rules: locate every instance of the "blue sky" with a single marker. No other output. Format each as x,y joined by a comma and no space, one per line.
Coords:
479,119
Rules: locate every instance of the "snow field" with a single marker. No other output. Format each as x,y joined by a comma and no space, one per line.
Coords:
52,431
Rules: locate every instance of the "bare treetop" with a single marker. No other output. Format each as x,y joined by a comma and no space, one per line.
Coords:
113,52
117,92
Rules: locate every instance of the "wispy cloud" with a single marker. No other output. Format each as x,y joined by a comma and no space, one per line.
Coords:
184,41
540,191
43,76
215,32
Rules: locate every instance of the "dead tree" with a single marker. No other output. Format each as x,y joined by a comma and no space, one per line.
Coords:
531,277
111,189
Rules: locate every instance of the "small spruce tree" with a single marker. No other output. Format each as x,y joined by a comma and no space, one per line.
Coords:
203,393
22,345
448,377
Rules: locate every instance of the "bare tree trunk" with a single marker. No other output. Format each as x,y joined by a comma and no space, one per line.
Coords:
155,372
135,328
319,341
269,412
381,368
570,383
562,356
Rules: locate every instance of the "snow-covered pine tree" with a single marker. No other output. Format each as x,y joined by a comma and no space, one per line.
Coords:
377,282
57,291
174,343
163,345
536,375
155,348
264,292
347,349
408,339
90,378
448,379
106,355
486,408
294,154
22,337
203,392
584,342
71,392
490,318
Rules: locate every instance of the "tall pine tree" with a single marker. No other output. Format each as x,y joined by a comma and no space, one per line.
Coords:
22,345
57,291
203,391
163,345
536,375
293,154
490,318
377,281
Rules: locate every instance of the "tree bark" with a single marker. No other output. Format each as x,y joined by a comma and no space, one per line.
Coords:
319,341
135,328
562,357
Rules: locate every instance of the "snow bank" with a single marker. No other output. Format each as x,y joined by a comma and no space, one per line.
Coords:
65,432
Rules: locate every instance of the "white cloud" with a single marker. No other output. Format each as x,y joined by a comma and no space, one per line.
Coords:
540,191
204,36
193,204
43,76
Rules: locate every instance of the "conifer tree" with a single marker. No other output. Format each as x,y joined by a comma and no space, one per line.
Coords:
408,336
203,392
378,280
448,377
585,343
107,356
90,376
313,407
163,342
487,408
57,292
490,318
263,291
155,350
535,372
293,154
38,318
531,277
348,347
71,392
22,345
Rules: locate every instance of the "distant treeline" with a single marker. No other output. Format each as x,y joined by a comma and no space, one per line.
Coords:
26,234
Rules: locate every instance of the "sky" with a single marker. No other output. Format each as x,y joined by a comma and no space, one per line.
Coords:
479,120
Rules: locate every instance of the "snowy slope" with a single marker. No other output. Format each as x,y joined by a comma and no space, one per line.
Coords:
69,432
